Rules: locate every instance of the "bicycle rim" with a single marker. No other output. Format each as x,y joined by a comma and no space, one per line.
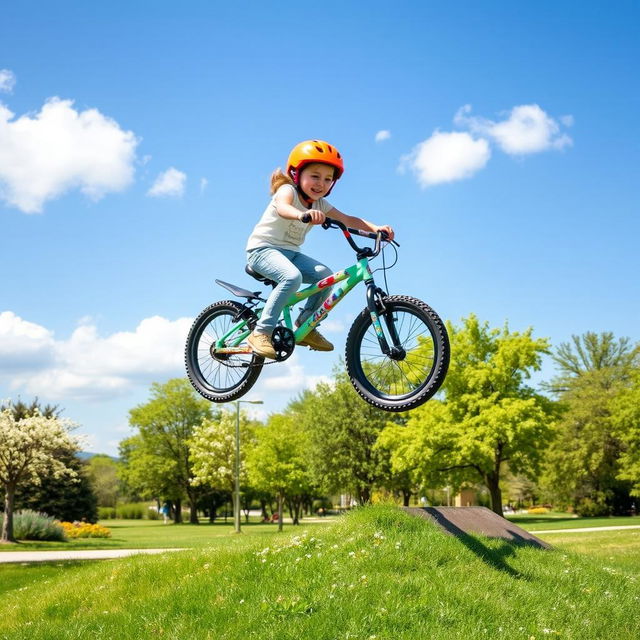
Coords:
218,378
399,384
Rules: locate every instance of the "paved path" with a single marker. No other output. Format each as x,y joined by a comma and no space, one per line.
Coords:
584,529
80,554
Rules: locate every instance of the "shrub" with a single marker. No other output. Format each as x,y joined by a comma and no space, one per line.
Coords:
153,514
131,511
106,513
85,530
537,510
588,508
31,525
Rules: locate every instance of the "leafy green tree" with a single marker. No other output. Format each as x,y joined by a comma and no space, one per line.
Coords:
583,469
68,497
488,416
593,352
165,425
30,450
103,474
342,433
626,421
279,463
143,474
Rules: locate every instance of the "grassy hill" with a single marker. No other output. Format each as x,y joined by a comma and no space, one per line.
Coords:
376,574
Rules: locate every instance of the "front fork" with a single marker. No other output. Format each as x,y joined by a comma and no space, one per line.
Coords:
378,311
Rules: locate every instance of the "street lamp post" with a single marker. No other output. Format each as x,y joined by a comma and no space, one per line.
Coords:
236,474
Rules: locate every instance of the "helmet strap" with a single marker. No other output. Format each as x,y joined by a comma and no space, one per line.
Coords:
304,197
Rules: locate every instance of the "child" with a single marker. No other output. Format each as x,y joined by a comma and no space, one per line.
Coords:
273,249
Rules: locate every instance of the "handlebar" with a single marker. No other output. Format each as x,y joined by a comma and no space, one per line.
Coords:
368,252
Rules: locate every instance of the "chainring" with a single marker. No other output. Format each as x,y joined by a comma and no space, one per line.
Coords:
283,341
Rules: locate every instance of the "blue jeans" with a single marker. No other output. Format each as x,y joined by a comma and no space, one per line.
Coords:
289,269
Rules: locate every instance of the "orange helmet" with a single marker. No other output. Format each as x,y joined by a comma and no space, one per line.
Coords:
314,151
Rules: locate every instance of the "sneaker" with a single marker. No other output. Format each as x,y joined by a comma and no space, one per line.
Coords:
261,344
315,340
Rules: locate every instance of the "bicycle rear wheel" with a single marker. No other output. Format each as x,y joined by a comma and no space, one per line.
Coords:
418,367
223,377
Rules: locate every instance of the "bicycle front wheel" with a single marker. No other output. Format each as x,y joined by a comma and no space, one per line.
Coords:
418,365
222,377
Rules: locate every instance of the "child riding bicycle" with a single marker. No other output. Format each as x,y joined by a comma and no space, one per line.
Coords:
273,248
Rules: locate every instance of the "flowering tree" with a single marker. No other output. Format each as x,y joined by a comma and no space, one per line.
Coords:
213,451
29,449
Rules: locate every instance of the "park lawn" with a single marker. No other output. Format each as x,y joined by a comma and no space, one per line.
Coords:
377,573
619,550
152,534
567,521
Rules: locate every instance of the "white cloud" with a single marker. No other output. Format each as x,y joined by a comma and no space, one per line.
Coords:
88,365
527,129
383,135
204,183
59,149
445,157
169,183
7,81
23,345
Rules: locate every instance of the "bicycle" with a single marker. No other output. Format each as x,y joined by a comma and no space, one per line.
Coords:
397,349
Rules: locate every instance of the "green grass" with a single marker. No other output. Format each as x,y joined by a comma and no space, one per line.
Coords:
567,521
617,549
377,573
149,534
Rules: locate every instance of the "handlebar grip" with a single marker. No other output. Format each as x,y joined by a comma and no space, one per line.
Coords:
306,217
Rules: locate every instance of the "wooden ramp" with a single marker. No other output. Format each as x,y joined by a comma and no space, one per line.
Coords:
459,521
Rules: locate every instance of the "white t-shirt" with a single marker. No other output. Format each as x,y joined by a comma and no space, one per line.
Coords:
273,230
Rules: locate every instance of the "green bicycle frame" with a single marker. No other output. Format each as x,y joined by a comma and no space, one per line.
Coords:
349,277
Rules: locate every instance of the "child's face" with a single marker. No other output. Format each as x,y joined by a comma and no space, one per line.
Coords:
316,179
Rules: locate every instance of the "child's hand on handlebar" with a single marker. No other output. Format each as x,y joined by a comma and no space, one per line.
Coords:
386,229
314,216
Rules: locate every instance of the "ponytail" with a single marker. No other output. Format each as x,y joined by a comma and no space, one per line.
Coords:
278,179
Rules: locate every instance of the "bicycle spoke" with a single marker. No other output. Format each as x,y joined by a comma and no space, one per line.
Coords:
396,378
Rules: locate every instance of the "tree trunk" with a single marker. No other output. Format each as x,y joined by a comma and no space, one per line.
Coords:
364,495
280,510
212,511
193,512
177,516
7,522
493,484
406,497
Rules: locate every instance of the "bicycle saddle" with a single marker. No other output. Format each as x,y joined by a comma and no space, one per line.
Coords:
257,276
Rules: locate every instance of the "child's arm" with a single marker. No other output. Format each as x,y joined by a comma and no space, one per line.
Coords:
285,208
358,223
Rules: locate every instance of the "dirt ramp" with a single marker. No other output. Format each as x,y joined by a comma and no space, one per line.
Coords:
461,521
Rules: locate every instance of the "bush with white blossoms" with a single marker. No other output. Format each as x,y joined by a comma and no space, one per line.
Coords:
29,450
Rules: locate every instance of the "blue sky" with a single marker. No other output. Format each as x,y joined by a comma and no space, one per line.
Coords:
136,142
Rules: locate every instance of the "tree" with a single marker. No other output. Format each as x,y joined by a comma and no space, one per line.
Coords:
213,451
30,448
583,469
626,421
68,497
143,473
593,352
487,417
102,471
279,463
165,425
342,433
